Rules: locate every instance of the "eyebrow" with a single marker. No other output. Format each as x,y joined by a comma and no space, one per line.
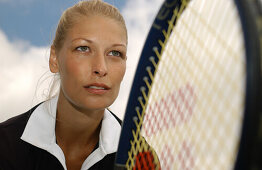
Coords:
119,45
90,41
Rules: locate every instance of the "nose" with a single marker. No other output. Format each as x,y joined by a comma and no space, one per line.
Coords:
99,66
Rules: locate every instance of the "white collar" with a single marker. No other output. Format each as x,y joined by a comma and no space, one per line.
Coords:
40,132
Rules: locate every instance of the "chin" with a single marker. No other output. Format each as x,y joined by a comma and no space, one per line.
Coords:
93,103
97,105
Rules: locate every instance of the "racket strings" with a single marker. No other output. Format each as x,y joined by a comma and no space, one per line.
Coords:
141,155
176,14
138,140
145,158
214,60
208,78
190,117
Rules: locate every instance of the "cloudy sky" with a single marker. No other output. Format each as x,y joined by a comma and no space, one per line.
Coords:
26,31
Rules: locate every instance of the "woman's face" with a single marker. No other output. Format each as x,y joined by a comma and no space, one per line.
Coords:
91,62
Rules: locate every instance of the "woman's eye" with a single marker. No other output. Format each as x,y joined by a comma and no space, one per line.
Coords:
115,53
83,48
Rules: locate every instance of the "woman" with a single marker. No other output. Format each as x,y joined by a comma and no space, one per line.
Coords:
74,130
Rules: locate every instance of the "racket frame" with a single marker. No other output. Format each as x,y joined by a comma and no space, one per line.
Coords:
250,147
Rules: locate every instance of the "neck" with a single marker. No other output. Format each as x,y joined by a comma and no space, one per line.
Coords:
75,127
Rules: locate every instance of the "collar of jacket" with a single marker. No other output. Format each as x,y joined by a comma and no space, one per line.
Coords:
40,132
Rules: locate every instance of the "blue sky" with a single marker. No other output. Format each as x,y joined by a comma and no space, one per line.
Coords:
35,20
26,31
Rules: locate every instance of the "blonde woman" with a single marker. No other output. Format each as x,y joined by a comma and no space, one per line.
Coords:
74,130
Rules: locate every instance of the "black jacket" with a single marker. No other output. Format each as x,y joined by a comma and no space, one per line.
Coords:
16,154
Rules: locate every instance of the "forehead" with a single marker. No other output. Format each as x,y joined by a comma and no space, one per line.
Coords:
98,25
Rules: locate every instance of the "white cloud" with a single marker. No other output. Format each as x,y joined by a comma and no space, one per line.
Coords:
22,64
21,67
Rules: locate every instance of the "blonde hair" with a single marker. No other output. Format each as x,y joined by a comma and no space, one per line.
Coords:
84,8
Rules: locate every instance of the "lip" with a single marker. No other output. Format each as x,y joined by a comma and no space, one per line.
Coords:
101,88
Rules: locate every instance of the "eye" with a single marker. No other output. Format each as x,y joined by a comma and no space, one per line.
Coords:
83,49
115,53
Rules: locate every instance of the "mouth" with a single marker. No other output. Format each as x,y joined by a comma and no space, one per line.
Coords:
97,88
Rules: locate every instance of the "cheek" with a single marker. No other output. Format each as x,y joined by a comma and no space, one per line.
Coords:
70,66
118,75
120,72
70,70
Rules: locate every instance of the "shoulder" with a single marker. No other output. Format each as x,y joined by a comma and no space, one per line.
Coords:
10,132
15,125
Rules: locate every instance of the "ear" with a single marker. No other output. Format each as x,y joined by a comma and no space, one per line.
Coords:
53,61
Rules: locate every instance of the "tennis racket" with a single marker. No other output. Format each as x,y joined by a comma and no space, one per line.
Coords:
195,103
